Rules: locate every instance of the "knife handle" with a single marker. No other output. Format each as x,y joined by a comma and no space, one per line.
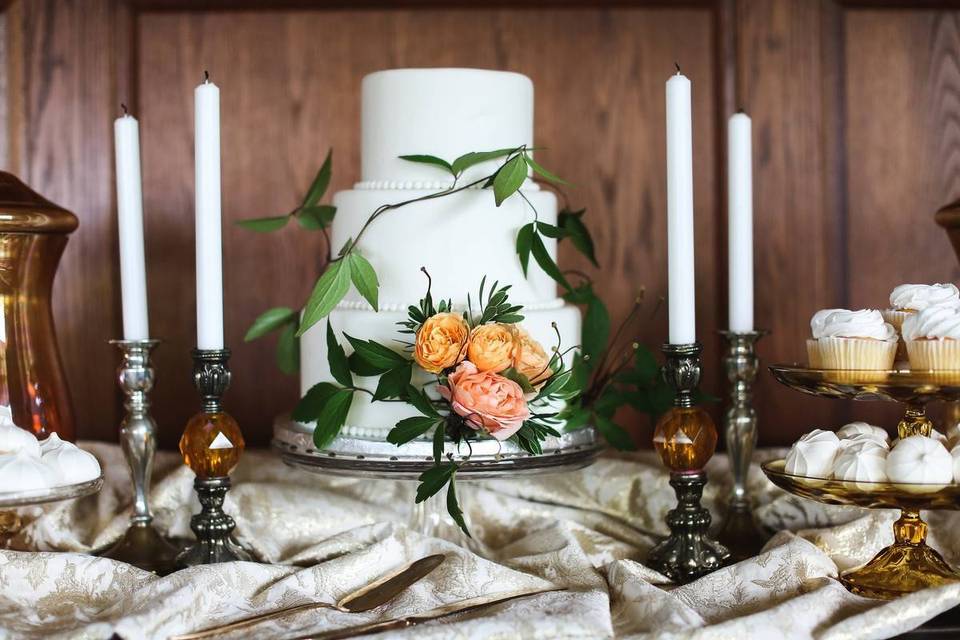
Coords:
252,620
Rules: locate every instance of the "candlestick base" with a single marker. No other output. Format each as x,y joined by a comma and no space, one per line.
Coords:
212,527
143,547
688,552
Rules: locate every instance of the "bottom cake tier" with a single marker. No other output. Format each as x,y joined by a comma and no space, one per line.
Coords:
373,420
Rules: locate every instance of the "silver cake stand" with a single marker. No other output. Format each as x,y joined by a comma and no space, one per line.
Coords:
357,457
10,520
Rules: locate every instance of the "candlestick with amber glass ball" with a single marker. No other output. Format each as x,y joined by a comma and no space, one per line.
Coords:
685,438
211,446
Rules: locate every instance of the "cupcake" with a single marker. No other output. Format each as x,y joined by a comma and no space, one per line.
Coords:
933,339
858,340
813,345
908,299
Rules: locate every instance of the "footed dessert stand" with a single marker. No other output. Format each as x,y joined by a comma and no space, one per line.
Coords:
360,458
909,564
10,521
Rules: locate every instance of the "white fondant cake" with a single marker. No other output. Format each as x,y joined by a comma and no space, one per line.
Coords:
459,238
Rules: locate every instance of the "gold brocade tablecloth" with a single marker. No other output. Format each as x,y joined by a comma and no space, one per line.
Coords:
588,531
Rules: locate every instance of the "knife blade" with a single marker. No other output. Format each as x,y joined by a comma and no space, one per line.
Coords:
443,611
367,597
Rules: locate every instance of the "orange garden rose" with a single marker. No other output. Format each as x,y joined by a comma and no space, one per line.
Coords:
486,400
441,342
493,347
531,360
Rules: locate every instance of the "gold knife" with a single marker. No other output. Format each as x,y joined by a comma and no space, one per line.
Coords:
370,596
443,611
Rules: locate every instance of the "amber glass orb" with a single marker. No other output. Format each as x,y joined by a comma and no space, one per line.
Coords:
685,438
211,444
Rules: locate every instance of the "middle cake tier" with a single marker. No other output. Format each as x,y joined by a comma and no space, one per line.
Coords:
373,420
459,238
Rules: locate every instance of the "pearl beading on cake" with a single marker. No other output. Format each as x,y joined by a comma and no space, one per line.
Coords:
422,185
363,305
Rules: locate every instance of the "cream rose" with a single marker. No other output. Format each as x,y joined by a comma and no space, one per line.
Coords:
486,401
531,360
441,342
493,347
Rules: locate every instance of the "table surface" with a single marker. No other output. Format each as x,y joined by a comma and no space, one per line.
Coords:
319,538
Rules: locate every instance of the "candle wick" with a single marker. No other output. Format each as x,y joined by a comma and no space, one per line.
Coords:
206,77
124,107
740,110
677,65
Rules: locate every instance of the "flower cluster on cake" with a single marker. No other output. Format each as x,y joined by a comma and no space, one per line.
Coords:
501,355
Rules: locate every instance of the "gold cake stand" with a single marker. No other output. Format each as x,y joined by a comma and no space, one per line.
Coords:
909,564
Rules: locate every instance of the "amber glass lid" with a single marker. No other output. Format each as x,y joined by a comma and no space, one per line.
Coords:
23,210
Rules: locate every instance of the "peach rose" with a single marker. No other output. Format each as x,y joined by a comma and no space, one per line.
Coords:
493,347
441,342
531,360
486,400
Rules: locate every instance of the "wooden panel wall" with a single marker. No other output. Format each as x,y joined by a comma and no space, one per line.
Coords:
855,113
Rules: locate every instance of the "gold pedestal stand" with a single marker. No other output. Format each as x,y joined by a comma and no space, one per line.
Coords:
909,564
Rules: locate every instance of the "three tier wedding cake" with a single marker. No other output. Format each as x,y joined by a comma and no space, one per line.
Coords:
458,239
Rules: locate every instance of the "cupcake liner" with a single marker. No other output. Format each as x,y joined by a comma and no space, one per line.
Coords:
813,353
863,354
896,318
934,355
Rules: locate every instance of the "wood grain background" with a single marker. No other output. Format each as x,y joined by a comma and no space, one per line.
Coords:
856,110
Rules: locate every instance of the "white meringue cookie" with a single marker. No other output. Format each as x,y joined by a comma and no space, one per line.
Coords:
13,439
71,464
936,435
864,442
861,466
922,464
855,429
813,454
955,454
25,472
50,443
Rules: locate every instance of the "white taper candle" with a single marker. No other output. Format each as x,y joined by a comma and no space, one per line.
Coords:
740,222
133,277
209,251
681,292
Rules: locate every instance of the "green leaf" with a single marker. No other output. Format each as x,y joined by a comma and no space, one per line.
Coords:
409,429
361,367
376,354
646,363
419,399
433,479
614,434
288,350
577,418
468,160
524,245
519,378
329,290
320,182
547,263
428,159
314,401
317,217
556,382
332,417
394,383
551,231
364,278
438,442
337,359
453,507
572,223
264,225
596,328
543,172
270,320
508,179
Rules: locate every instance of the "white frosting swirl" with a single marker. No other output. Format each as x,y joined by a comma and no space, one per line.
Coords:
933,322
865,323
917,297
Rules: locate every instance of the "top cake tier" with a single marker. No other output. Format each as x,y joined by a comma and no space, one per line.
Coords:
441,112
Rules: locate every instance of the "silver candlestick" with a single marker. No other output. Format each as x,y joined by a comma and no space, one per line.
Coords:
739,531
141,545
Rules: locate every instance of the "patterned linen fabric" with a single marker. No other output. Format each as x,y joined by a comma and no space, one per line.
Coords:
321,537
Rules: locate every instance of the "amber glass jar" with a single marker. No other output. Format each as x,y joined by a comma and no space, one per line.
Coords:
33,235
